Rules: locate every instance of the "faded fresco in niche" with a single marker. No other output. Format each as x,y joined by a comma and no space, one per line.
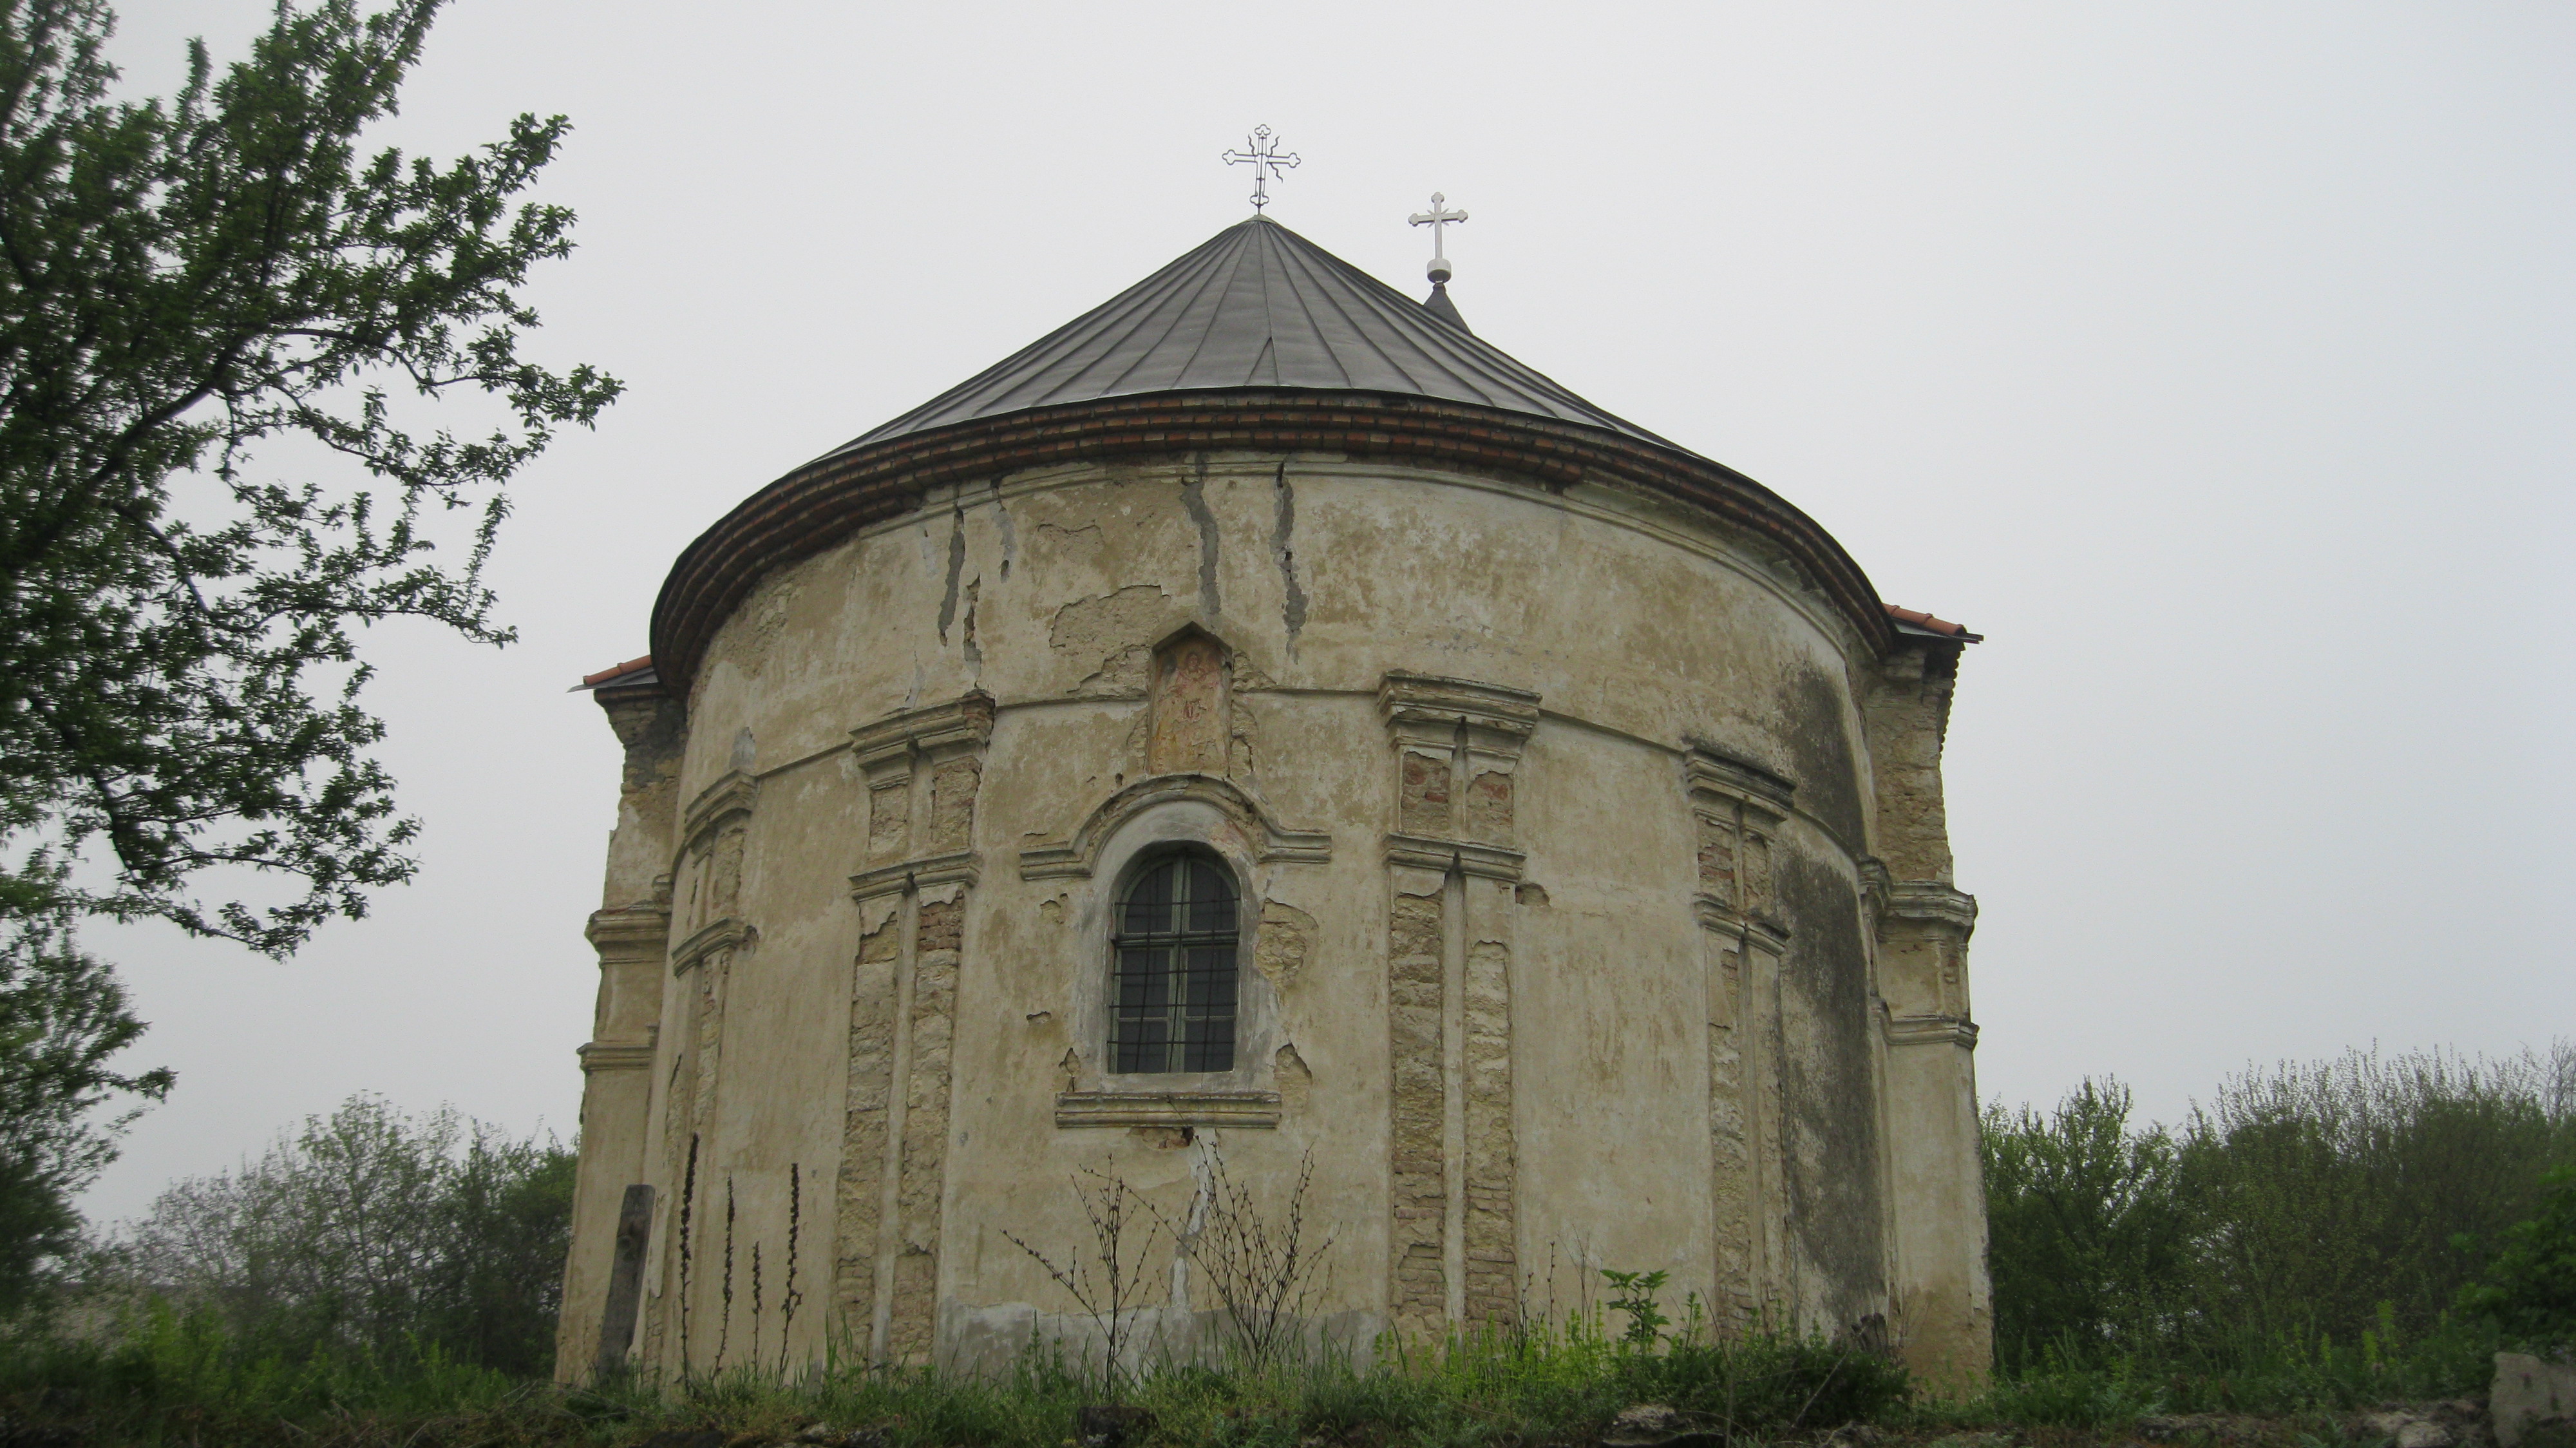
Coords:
1189,708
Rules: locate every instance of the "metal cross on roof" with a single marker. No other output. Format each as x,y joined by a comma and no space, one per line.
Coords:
1437,218
1261,150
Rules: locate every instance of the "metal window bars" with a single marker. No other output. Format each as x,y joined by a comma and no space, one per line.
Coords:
1175,949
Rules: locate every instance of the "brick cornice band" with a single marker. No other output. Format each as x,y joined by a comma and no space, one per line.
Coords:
817,506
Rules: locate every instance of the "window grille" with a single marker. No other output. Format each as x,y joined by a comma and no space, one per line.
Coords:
1175,956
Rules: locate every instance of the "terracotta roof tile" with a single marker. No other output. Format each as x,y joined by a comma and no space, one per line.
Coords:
1923,620
634,665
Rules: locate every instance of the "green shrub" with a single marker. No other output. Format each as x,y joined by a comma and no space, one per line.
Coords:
370,1233
2339,1202
2087,1228
2529,1289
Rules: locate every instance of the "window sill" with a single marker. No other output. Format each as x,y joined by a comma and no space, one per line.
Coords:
1250,1109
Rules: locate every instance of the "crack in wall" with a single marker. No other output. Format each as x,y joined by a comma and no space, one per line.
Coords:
956,570
1194,502
1292,606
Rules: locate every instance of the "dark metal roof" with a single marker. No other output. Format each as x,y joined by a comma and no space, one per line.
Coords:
1256,305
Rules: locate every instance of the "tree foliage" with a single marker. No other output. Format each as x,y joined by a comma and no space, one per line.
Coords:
62,1017
2346,1197
372,1230
184,284
2529,1288
2085,1222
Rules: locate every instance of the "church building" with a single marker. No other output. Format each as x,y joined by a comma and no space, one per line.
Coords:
1261,727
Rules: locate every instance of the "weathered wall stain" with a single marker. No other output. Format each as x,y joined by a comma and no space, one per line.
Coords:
1828,1100
1811,708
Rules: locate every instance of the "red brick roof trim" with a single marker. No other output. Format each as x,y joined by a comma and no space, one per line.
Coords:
1920,619
618,671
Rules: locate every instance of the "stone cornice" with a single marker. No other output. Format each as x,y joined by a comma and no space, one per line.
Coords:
1079,856
1712,773
964,721
1716,914
723,934
630,932
964,867
1427,709
1932,1031
1167,1108
1935,902
732,795
824,502
614,1056
1489,862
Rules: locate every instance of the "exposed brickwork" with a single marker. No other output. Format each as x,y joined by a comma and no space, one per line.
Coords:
889,818
1489,807
1416,1149
679,1113
1730,1153
952,805
1424,807
1493,1267
925,1133
859,1190
1717,859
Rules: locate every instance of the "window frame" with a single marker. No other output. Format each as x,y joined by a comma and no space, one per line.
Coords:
1188,996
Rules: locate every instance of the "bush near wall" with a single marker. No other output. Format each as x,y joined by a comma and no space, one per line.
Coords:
2352,1201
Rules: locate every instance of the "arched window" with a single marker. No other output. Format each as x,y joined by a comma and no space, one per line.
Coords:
1175,951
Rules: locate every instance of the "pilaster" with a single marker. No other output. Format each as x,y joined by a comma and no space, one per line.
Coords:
924,770
629,935
1452,865
1923,922
1737,809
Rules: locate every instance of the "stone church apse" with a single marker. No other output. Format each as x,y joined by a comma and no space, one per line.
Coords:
1262,727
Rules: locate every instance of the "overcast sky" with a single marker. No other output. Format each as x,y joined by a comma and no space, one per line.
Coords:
2215,361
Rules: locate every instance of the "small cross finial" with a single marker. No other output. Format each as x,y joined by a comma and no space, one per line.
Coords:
1436,218
1262,152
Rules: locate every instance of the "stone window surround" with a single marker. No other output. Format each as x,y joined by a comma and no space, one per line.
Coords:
1141,823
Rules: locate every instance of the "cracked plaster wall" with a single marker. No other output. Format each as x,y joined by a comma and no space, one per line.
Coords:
1644,632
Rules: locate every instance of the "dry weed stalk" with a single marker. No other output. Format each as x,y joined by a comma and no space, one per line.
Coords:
1108,1283
1260,1269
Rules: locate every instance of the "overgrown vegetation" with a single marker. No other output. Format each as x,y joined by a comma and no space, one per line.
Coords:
181,1378
2346,1202
368,1241
63,1018
223,319
2139,1270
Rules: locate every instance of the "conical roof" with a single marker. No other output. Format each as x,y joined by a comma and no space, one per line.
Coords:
1256,305
1257,339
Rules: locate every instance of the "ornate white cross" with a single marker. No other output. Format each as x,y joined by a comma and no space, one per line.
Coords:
1267,163
1437,218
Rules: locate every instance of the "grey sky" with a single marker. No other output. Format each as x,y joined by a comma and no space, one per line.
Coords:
2216,361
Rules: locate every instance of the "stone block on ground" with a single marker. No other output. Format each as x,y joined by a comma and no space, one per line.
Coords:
2532,1399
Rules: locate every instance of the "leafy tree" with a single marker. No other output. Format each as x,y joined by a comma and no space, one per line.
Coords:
2327,1188
62,1016
185,286
2086,1225
377,1231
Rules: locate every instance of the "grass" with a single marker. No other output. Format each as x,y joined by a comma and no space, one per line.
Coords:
173,1379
